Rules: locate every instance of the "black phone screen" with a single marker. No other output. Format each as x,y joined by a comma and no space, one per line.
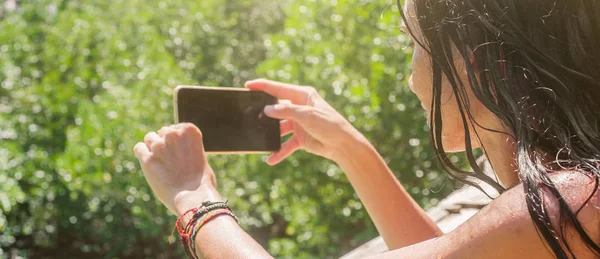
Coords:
230,121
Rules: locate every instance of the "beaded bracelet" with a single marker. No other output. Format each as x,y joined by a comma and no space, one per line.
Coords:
200,216
196,213
203,210
201,222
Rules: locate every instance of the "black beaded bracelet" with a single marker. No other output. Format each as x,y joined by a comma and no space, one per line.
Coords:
208,206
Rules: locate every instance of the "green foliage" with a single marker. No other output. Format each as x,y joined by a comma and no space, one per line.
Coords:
83,81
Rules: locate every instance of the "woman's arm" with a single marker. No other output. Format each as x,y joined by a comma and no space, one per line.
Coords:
397,217
321,130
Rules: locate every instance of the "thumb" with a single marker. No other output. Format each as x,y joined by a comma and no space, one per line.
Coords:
288,111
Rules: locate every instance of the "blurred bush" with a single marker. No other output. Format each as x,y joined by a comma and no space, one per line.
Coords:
83,81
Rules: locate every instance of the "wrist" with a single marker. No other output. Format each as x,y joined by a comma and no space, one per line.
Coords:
352,149
189,199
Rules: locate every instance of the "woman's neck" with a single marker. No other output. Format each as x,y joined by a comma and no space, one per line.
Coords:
500,150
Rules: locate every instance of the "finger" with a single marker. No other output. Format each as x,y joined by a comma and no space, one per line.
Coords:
288,111
163,131
186,127
171,137
182,125
287,148
296,94
158,147
186,133
150,138
286,127
141,151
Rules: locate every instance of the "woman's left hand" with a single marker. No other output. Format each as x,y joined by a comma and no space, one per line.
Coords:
175,166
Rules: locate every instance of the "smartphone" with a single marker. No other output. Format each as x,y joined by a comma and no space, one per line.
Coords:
232,120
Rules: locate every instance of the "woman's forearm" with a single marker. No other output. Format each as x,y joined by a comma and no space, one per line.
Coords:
221,237
397,217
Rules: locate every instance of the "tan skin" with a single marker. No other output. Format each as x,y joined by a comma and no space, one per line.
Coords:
175,166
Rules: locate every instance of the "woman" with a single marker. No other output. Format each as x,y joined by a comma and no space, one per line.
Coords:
519,79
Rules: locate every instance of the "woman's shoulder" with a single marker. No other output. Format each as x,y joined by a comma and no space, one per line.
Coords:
576,188
581,192
579,189
504,228
506,221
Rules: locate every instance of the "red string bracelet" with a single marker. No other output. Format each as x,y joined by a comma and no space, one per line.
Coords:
177,226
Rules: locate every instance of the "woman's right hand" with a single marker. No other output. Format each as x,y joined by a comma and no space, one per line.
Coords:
317,127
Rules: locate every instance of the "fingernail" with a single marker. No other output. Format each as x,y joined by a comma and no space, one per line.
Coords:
269,109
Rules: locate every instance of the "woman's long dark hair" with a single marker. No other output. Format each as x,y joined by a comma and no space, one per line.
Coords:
536,65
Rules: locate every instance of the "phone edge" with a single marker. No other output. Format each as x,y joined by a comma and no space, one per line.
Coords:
212,88
175,106
239,152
